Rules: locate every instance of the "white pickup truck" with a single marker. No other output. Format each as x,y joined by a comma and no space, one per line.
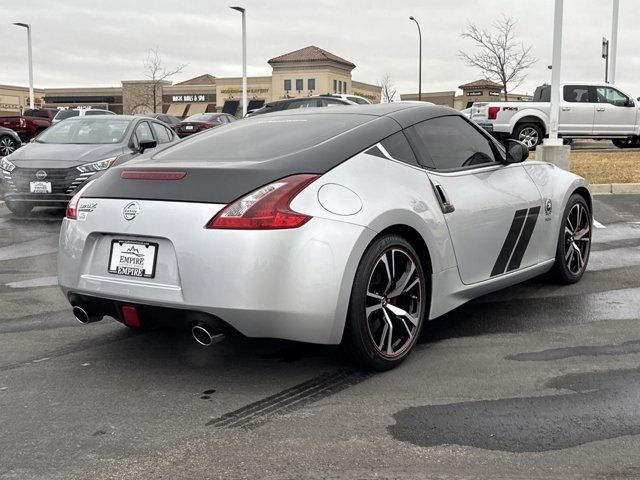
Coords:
597,111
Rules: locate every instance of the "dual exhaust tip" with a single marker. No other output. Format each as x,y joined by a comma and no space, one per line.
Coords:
202,333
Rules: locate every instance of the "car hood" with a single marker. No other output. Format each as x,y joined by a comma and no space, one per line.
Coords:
49,155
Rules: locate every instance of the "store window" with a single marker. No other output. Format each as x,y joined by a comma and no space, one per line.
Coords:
311,84
287,85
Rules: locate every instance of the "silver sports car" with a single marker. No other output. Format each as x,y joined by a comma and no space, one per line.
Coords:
354,226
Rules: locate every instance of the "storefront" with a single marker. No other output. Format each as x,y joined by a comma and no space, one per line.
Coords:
14,100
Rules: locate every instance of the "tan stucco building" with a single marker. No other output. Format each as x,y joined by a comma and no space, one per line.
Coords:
476,91
13,100
308,71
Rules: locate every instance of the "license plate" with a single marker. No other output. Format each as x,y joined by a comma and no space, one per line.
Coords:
133,259
189,127
40,187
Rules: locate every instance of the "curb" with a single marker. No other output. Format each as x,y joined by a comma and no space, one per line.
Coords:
620,188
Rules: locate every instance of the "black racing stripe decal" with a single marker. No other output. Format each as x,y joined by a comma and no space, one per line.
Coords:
525,236
509,243
376,151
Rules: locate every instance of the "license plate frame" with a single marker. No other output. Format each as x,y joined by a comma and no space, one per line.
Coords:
40,187
116,268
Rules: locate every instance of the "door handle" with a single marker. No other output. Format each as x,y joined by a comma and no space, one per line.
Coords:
600,109
566,109
443,199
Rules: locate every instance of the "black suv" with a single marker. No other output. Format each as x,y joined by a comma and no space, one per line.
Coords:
304,102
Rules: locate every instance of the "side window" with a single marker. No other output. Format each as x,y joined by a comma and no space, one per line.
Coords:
611,96
576,93
450,143
161,132
398,147
143,133
309,103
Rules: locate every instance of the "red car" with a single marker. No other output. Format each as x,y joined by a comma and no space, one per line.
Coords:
30,124
202,121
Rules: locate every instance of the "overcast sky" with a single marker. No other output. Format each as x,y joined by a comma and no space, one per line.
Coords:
100,43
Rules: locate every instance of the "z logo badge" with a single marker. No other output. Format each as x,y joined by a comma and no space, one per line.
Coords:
548,207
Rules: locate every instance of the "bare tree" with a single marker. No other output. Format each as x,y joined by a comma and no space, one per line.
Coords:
388,92
499,54
156,73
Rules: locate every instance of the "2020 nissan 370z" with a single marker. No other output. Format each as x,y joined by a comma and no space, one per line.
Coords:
353,225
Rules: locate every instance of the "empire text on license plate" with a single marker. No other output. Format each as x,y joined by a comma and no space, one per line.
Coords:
134,259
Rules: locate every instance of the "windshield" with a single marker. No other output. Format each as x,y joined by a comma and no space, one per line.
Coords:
85,130
200,117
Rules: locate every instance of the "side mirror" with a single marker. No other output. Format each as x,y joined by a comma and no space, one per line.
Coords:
516,151
147,144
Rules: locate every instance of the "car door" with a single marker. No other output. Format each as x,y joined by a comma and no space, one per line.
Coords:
615,112
491,208
576,111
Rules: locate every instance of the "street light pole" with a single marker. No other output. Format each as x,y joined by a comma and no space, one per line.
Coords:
555,75
28,27
244,59
419,59
605,55
613,51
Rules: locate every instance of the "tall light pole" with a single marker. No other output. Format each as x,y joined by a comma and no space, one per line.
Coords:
613,51
555,75
605,55
419,59
244,59
28,27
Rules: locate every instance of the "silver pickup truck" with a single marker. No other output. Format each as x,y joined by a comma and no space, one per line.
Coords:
597,111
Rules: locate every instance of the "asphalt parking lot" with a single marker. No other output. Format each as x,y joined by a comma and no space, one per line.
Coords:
537,381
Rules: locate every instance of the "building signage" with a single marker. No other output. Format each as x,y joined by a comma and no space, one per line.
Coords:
249,90
189,98
474,93
494,94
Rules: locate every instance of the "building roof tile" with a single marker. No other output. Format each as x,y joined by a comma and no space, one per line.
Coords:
310,54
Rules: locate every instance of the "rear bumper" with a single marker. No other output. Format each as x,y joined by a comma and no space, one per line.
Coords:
290,284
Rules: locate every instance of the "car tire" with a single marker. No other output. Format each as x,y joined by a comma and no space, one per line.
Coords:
8,145
574,241
20,209
386,314
626,142
528,133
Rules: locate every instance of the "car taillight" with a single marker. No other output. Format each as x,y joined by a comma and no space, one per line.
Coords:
266,208
72,206
493,112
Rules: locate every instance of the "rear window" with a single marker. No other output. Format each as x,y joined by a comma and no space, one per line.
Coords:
260,138
36,113
62,114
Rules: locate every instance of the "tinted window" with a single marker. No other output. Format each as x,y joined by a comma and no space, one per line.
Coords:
612,96
62,114
201,117
95,112
576,93
36,113
398,147
307,103
143,133
162,133
542,94
450,143
262,138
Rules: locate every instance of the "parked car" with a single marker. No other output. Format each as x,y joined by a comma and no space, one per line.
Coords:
163,117
300,102
202,121
355,225
30,124
9,141
78,112
596,111
49,170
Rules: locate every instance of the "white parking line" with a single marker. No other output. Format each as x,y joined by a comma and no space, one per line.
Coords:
597,224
